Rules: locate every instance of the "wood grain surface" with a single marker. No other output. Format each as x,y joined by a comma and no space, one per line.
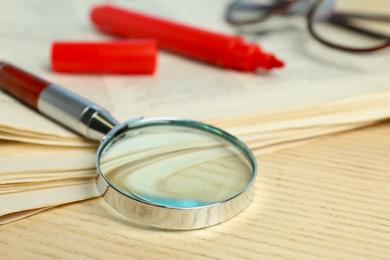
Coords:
326,200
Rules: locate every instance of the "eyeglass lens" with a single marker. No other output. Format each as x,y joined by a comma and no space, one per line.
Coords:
351,25
354,24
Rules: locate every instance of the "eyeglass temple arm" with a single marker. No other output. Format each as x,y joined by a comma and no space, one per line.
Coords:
342,20
372,17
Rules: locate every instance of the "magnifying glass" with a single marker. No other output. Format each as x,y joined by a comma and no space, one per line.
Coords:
164,172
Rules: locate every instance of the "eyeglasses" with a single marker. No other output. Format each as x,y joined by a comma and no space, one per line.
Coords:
358,26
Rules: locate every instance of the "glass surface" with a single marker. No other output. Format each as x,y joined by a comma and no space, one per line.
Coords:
176,166
356,24
242,12
250,11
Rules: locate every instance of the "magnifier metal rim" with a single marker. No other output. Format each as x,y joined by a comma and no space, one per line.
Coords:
136,208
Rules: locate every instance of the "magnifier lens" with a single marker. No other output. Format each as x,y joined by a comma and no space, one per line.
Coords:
176,165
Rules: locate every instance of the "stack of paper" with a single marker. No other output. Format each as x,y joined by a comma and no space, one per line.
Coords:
35,177
269,131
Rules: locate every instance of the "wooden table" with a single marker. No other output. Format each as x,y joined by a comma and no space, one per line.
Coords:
329,199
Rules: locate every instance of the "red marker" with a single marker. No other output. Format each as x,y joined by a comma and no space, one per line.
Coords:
222,50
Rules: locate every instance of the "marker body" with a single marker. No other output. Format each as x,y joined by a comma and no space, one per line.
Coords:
59,104
215,48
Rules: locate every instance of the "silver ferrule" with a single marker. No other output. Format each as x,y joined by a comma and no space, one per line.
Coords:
75,112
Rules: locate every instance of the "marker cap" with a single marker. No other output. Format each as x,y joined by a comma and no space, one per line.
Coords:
135,56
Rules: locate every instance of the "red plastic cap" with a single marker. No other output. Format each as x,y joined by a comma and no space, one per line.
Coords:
136,56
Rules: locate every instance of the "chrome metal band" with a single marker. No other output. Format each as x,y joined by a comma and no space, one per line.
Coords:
174,218
74,112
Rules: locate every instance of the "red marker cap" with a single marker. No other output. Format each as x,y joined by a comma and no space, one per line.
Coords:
136,56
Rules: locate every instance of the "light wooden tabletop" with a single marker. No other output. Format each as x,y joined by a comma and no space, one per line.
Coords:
329,199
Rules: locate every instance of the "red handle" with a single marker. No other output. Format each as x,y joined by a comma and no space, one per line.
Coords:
20,84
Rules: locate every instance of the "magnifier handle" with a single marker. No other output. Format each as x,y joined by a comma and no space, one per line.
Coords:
61,105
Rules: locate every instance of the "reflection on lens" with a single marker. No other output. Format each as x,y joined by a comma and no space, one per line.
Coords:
356,24
250,11
176,166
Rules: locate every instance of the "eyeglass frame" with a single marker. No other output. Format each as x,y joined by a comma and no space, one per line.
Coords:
339,19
